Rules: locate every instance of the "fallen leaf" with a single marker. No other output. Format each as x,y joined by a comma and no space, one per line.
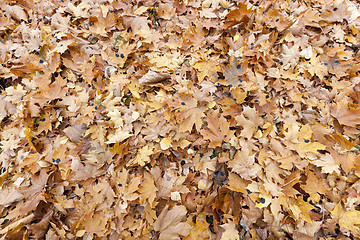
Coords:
219,130
171,224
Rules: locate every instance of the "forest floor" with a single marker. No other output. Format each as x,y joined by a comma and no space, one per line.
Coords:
184,119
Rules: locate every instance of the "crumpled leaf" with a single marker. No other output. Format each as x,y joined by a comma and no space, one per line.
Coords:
152,77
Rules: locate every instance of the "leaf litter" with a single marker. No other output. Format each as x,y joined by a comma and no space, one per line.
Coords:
187,119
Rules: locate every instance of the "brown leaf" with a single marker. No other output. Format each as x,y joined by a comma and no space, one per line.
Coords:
237,16
75,132
348,117
218,130
171,224
9,195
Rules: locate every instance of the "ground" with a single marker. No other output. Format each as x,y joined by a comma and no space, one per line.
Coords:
179,119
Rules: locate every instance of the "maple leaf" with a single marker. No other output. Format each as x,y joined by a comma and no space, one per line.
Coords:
290,55
33,195
238,15
249,120
142,158
305,146
207,69
16,12
96,224
314,186
187,112
147,190
82,171
170,223
102,24
166,11
218,130
38,183
237,184
9,195
233,72
300,209
165,62
244,162
158,85
156,127
75,132
348,219
80,10
327,164
310,147
348,117
230,232
138,24
39,229
7,108
200,229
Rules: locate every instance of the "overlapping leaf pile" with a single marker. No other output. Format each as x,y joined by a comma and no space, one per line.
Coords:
179,119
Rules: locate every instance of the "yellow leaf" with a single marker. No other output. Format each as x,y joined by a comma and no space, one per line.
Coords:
200,228
165,143
350,220
141,10
207,69
303,148
338,209
346,117
239,95
165,61
134,89
142,158
147,190
170,223
305,133
304,208
314,186
28,138
187,112
92,58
